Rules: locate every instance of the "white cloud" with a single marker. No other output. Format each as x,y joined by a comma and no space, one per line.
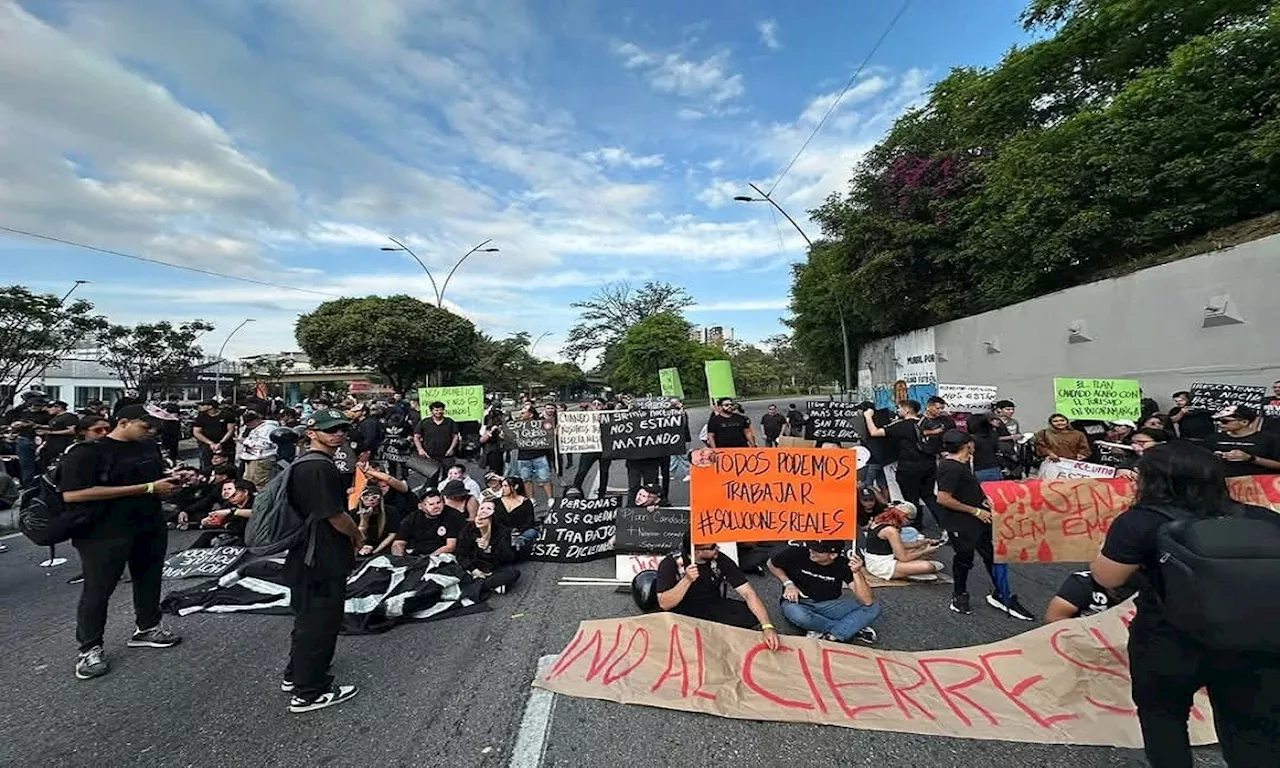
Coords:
617,156
768,29
708,81
720,192
757,305
864,89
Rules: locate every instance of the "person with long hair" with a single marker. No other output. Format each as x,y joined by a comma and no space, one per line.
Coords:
1167,666
889,556
486,552
377,528
1060,441
515,512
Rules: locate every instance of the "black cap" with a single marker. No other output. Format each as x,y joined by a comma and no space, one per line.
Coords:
455,489
830,546
134,412
955,439
651,489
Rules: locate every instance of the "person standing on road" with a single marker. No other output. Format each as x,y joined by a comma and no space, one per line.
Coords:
122,477
211,431
772,423
795,421
587,459
58,434
317,569
436,437
917,469
727,428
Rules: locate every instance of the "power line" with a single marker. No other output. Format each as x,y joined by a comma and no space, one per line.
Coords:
843,91
135,257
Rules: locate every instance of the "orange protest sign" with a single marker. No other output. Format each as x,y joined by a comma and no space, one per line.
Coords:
776,494
357,488
1065,521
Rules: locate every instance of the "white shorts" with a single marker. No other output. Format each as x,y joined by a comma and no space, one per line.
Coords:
880,566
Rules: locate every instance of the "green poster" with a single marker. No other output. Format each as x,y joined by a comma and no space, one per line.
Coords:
720,379
670,380
460,403
1100,399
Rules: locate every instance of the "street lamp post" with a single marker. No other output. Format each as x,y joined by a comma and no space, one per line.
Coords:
532,347
439,290
844,328
217,372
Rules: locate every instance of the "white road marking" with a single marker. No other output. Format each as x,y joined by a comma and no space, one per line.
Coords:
531,741
10,536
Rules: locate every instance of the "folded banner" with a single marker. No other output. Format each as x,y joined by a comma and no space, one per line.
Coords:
1064,683
1065,521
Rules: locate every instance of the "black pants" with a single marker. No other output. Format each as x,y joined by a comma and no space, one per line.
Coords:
771,441
917,485
969,535
734,613
1244,690
584,466
102,562
664,477
317,619
495,461
641,472
502,577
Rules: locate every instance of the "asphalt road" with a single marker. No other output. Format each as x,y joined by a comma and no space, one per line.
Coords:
448,693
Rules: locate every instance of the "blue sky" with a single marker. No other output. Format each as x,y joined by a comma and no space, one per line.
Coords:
592,141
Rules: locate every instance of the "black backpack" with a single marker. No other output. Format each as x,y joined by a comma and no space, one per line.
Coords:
275,524
44,517
1220,577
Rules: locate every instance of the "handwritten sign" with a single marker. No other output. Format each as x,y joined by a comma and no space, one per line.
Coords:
1066,521
834,422
460,403
531,434
580,431
205,563
669,380
577,530
971,398
779,494
651,403
661,529
1215,397
1069,469
625,567
1063,683
1098,399
642,434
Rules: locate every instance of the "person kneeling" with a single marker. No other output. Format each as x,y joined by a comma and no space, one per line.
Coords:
695,589
813,579
485,551
889,554
1080,595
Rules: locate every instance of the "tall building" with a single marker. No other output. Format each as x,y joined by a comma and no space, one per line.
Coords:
715,335
695,333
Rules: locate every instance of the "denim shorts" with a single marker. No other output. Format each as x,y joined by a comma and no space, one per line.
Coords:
538,470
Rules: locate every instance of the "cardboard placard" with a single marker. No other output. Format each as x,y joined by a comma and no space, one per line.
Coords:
1098,399
1215,397
209,563
579,431
720,379
1070,469
531,434
1066,521
658,403
1062,683
796,442
642,434
669,381
644,530
625,567
774,494
834,422
577,530
460,403
971,398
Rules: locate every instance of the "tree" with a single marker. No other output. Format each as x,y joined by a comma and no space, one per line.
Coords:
151,357
400,337
660,341
502,365
614,309
562,377
269,369
37,331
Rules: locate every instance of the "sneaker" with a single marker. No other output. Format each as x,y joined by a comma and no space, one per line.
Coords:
923,577
335,695
813,634
77,579
502,590
960,604
286,686
156,637
1011,606
866,636
92,663
4,548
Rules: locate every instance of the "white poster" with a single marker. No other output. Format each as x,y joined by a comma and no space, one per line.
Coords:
971,398
1069,469
579,431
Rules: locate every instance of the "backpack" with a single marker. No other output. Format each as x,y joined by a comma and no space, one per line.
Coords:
1218,577
44,518
923,444
275,524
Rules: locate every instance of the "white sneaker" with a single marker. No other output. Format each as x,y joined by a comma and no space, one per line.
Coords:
335,695
813,634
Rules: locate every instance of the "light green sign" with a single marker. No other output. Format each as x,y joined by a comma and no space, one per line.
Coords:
1098,399
720,379
670,380
460,403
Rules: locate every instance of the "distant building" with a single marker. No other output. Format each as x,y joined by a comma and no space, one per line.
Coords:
715,335
695,333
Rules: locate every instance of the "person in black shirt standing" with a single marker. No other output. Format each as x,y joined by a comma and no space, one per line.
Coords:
1243,448
436,437
58,434
795,421
122,476
726,428
969,523
317,569
772,423
813,581
933,423
917,469
1194,424
696,589
23,420
211,432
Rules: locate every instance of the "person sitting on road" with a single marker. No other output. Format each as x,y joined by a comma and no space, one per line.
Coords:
696,589
648,496
433,531
459,472
869,505
459,499
397,500
377,529
515,511
196,501
889,555
229,519
1080,595
813,580
486,552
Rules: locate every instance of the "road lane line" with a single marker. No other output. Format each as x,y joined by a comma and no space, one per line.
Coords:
531,741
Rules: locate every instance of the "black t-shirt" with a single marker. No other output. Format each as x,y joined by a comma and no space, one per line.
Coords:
905,437
518,519
956,478
1084,593
772,423
366,435
1197,424
817,582
705,592
54,445
729,431
935,441
796,419
1263,444
436,438
986,452
212,425
876,545
317,488
111,462
423,535
37,417
883,450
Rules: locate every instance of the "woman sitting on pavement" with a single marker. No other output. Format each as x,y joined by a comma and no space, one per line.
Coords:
485,551
515,512
889,556
228,521
377,529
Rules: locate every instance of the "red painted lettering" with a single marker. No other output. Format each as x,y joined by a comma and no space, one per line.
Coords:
702,667
566,657
609,677
674,647
808,678
827,673
951,692
748,677
1019,689
899,693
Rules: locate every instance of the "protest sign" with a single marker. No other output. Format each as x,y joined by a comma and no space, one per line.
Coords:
1065,521
626,566
1063,683
1069,469
669,380
460,403
206,563
577,530
1098,399
834,422
645,530
720,379
1215,397
774,494
651,403
531,434
972,398
580,431
642,434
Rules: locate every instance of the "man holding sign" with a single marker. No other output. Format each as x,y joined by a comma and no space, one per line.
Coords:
696,588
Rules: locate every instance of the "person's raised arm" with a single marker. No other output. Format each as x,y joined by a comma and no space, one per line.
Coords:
872,430
669,599
860,587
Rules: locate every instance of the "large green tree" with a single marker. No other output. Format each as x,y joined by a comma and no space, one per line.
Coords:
611,311
151,357
37,330
400,337
660,341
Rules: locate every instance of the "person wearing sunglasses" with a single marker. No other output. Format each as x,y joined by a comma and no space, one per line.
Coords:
1241,445
696,588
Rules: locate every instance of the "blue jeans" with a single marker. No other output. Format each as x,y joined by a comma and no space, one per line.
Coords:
27,467
537,470
841,618
522,540
990,475
999,571
872,475
679,463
